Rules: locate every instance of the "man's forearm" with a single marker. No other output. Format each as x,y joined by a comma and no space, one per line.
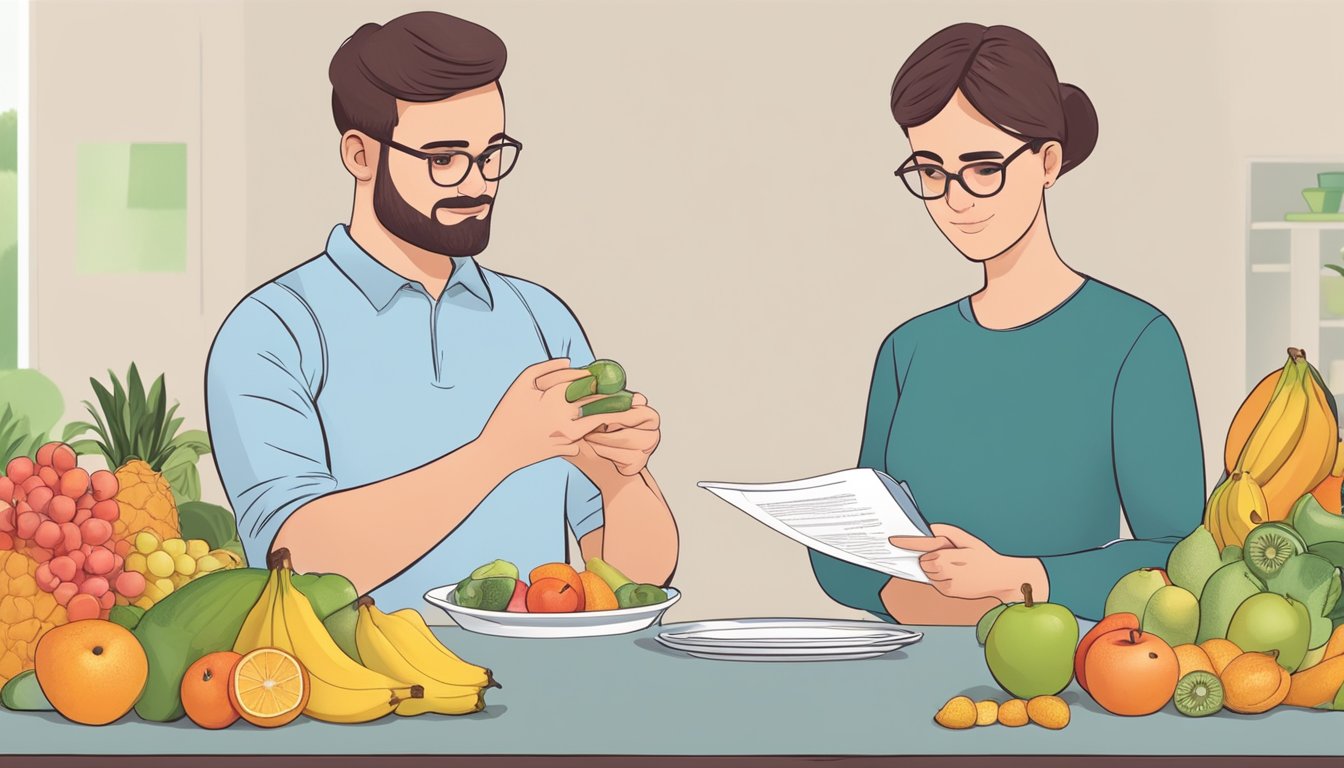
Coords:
369,534
639,534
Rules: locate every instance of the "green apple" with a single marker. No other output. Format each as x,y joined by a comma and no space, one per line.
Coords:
986,622
1266,622
1133,591
1030,647
1227,589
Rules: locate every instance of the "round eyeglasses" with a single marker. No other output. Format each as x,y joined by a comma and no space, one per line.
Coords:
929,181
448,168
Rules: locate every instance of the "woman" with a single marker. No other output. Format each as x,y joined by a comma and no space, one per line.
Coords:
1026,416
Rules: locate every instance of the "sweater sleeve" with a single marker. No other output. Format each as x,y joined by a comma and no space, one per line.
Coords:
846,583
1159,472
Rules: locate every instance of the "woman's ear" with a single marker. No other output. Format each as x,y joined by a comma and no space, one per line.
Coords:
1052,155
357,151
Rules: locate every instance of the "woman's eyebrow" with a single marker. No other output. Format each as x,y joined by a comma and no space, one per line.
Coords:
985,155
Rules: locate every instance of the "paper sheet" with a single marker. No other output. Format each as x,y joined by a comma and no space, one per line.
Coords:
847,514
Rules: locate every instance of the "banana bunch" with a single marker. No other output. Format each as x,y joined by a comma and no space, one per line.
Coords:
343,691
402,646
1290,450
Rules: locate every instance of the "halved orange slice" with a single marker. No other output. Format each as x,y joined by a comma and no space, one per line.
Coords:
269,687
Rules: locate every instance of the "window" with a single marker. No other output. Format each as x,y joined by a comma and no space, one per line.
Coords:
13,93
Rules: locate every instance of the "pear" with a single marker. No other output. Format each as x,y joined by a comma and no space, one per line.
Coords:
1173,615
1133,591
1225,591
1193,560
1270,622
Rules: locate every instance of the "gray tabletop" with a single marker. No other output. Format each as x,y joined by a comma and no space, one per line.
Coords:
628,695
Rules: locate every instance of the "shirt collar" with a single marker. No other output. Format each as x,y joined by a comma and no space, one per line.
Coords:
380,284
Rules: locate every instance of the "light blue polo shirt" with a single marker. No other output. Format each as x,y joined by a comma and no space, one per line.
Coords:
340,373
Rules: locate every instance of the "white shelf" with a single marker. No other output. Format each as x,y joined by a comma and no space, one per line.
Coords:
1297,225
1337,323
1268,268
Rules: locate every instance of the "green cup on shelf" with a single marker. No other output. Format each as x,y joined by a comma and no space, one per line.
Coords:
1323,200
1330,180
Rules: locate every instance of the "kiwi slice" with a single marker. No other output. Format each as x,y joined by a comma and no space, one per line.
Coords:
1268,547
1198,694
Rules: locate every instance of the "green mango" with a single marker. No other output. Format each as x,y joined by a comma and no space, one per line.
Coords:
636,595
497,568
617,403
205,615
341,626
126,615
23,694
490,594
1314,523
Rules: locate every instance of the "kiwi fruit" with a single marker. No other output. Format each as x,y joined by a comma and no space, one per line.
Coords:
1268,547
1198,694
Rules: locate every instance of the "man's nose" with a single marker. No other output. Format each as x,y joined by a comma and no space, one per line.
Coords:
474,184
958,199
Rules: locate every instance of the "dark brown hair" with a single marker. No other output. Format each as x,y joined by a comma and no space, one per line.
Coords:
421,56
1006,76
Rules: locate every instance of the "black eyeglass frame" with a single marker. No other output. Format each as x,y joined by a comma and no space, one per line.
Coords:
903,173
478,161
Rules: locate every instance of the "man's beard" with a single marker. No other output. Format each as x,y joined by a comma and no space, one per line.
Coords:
466,238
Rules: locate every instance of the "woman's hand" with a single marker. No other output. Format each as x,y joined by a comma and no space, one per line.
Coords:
960,565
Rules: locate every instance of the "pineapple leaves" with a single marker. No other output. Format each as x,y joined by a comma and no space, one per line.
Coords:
17,438
180,467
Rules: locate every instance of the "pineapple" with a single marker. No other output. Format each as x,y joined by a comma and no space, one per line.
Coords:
155,467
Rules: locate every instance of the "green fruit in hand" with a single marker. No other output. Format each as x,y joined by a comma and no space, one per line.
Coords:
1193,560
607,377
617,403
1226,590
1173,615
607,572
1230,554
1199,693
497,568
636,595
1266,622
1268,547
983,625
1133,591
1030,647
22,693
492,594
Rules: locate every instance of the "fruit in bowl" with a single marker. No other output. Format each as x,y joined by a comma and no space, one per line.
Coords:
554,588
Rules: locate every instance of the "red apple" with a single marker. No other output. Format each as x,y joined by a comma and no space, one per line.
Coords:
1112,622
518,603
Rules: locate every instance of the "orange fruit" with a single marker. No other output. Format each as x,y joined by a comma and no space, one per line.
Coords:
563,572
269,687
597,596
1107,624
553,596
205,690
1220,652
1191,657
1130,672
1254,682
78,658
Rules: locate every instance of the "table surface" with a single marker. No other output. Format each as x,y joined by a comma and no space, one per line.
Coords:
628,695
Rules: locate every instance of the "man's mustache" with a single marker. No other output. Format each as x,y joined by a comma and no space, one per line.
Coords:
462,202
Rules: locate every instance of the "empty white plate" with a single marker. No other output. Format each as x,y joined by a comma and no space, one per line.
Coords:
786,639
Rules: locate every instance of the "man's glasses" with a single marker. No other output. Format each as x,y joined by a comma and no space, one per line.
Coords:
450,168
928,181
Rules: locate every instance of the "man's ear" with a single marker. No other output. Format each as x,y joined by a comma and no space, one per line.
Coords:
358,154
1052,155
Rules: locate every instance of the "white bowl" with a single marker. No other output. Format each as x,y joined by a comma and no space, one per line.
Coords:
578,624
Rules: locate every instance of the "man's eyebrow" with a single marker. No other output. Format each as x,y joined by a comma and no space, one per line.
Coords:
452,143
925,153
986,155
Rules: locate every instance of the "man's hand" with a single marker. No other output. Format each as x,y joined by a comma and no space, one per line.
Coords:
625,441
960,565
533,421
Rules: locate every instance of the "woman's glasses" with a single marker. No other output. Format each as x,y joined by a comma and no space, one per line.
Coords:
929,181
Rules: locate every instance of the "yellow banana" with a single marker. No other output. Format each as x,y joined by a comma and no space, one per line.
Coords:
1279,429
421,649
1213,513
1312,457
343,691
1236,506
460,704
380,653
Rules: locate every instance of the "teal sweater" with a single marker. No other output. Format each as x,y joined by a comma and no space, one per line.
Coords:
1035,438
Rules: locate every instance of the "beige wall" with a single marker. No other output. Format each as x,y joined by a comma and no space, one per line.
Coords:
668,146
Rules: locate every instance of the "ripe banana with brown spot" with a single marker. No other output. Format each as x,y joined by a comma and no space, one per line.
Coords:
1236,506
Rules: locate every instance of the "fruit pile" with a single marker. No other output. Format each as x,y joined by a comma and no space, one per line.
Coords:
261,645
554,588
167,564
